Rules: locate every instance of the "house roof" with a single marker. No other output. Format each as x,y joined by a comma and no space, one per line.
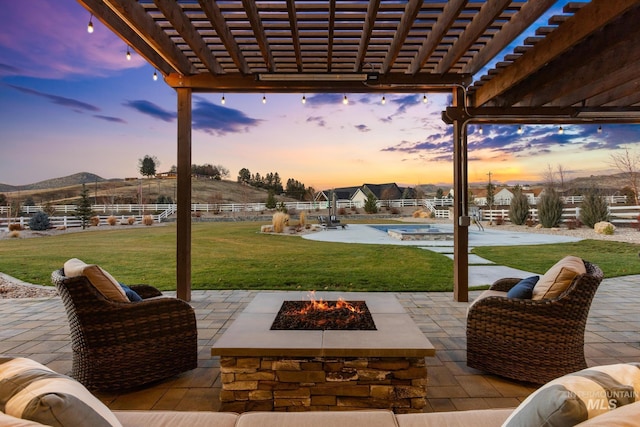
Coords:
400,46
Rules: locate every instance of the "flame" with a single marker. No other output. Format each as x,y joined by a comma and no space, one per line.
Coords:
322,305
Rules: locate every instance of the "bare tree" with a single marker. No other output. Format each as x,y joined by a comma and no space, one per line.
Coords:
562,175
628,163
549,177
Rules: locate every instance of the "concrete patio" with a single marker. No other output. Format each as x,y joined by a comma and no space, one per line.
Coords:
37,328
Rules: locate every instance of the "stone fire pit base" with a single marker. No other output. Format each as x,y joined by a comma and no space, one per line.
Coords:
319,383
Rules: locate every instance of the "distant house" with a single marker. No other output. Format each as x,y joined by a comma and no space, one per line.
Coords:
167,175
358,195
343,193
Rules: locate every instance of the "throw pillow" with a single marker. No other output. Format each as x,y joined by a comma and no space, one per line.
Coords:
130,293
627,416
102,280
558,278
31,391
579,396
524,288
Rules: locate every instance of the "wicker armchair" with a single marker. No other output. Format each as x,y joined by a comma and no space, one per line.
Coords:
527,340
118,346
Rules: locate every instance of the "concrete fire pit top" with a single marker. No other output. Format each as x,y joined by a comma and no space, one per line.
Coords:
396,335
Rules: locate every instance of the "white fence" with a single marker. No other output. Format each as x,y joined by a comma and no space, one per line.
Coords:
71,221
618,214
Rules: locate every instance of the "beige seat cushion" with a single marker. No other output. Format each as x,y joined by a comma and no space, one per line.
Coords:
9,421
175,418
485,294
104,282
479,418
624,416
381,418
558,278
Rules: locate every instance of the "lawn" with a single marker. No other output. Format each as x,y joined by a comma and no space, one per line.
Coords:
232,256
236,256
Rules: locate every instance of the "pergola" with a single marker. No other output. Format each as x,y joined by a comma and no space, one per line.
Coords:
582,67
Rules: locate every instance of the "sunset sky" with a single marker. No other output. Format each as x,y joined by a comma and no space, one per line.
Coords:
71,102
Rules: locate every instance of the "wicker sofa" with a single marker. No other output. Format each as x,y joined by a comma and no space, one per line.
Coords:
527,339
122,345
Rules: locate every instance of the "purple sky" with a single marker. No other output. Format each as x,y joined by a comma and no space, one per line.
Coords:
71,102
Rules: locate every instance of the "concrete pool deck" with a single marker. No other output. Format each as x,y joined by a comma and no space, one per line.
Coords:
481,271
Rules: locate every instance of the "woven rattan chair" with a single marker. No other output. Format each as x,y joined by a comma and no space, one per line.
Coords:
119,346
532,341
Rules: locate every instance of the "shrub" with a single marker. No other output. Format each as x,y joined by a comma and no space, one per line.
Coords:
519,207
550,208
342,211
594,209
271,200
499,220
416,214
279,221
131,220
14,227
147,220
112,220
94,221
14,234
39,221
303,218
395,211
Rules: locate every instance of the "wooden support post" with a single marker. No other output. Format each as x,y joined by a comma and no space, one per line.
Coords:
461,218
183,247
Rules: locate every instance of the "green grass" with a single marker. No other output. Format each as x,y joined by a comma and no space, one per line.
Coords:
236,256
614,258
232,256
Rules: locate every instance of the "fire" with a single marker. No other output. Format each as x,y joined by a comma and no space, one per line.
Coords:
322,305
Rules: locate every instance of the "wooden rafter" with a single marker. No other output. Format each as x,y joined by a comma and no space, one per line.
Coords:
214,14
586,21
488,13
410,13
134,15
295,36
443,24
524,18
330,30
258,32
185,28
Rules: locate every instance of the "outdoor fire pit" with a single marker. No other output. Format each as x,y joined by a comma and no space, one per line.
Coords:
319,368
324,315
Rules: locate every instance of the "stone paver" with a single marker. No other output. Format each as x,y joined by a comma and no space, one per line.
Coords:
38,328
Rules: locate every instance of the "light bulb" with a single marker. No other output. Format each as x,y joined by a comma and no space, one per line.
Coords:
560,130
520,130
345,101
304,99
424,98
155,75
599,129
128,54
264,99
383,101
90,26
222,100
480,130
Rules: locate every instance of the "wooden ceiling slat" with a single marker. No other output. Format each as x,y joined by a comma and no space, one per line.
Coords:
214,14
293,27
586,21
183,26
330,35
618,94
529,13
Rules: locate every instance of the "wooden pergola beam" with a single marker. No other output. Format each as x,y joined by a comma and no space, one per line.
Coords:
258,32
408,18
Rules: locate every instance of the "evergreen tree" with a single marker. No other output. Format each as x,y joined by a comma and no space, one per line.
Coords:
84,211
519,207
550,208
593,209
147,166
371,204
271,200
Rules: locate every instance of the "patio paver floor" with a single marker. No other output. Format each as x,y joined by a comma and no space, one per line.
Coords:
38,328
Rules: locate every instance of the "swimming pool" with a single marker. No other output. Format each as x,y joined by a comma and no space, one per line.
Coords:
414,231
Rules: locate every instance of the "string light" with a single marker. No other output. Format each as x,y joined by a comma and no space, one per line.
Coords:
304,99
222,100
264,99
155,75
480,130
560,130
345,100
599,129
424,98
128,54
520,130
384,100
90,26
